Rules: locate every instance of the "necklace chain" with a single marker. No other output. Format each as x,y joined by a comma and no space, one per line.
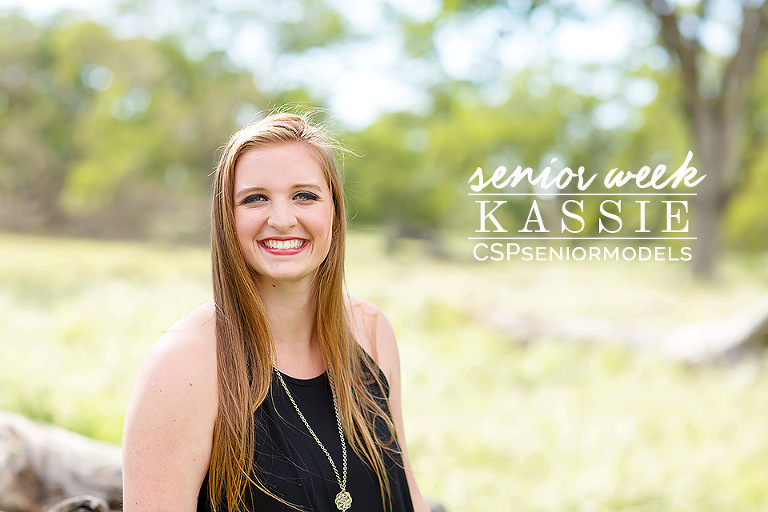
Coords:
343,499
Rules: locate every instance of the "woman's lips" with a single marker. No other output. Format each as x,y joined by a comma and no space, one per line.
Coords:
283,246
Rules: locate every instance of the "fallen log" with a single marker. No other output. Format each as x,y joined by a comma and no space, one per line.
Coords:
721,339
716,339
41,465
81,504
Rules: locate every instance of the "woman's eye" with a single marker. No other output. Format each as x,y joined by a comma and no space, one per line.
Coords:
305,196
254,198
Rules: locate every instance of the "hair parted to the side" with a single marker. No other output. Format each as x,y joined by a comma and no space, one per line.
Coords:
243,339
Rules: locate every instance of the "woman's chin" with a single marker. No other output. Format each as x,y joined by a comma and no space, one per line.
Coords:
285,278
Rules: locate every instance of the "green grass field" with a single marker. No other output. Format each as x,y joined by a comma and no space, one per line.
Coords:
493,424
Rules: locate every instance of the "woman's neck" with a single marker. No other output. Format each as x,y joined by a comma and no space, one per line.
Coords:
290,309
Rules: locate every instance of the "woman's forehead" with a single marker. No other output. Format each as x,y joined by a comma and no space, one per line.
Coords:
278,165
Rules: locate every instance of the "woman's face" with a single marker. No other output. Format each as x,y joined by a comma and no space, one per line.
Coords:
283,211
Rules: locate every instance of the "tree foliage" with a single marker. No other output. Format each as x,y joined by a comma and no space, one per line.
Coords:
99,126
119,135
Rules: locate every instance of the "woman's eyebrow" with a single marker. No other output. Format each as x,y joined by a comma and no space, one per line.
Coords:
249,190
297,186
308,185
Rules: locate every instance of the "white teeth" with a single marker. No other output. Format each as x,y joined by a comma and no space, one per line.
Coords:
283,244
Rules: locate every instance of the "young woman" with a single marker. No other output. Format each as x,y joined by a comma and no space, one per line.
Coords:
282,393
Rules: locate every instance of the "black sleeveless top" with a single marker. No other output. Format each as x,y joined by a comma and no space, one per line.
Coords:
290,463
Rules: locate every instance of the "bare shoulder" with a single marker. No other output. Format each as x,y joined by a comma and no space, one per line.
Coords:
167,438
375,334
198,322
187,349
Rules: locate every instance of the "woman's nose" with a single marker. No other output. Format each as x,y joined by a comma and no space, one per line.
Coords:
281,215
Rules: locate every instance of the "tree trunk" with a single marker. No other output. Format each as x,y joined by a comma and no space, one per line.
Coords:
714,151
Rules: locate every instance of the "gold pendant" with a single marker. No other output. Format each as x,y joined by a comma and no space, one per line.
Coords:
343,500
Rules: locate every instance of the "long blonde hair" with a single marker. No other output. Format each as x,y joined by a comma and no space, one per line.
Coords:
243,340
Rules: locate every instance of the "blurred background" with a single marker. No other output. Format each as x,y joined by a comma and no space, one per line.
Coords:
529,386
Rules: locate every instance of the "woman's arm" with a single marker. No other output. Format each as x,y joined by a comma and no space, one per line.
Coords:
378,338
169,423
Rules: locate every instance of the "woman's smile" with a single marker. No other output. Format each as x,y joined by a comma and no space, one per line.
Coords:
283,246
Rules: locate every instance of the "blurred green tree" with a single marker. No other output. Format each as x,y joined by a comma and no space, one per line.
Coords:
96,125
717,95
715,47
107,129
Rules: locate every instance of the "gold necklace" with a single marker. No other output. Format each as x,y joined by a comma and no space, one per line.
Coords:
343,499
